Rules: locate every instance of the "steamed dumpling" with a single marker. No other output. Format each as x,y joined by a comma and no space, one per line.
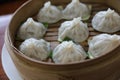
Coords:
37,49
68,52
106,21
76,9
75,30
102,44
31,29
49,13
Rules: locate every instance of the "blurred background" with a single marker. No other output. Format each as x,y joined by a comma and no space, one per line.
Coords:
2,1
7,8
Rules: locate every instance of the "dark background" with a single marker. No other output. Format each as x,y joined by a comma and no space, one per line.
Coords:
4,1
9,6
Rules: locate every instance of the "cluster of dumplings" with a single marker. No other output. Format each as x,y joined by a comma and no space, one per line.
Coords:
74,29
51,14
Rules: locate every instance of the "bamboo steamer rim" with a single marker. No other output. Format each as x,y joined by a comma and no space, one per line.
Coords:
9,44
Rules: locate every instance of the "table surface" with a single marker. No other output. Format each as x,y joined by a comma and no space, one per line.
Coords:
6,11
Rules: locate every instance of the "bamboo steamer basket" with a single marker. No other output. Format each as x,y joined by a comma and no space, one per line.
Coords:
105,67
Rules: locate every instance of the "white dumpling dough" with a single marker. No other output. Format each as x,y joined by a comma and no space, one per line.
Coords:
49,13
102,44
106,21
75,30
31,29
76,9
36,49
68,52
